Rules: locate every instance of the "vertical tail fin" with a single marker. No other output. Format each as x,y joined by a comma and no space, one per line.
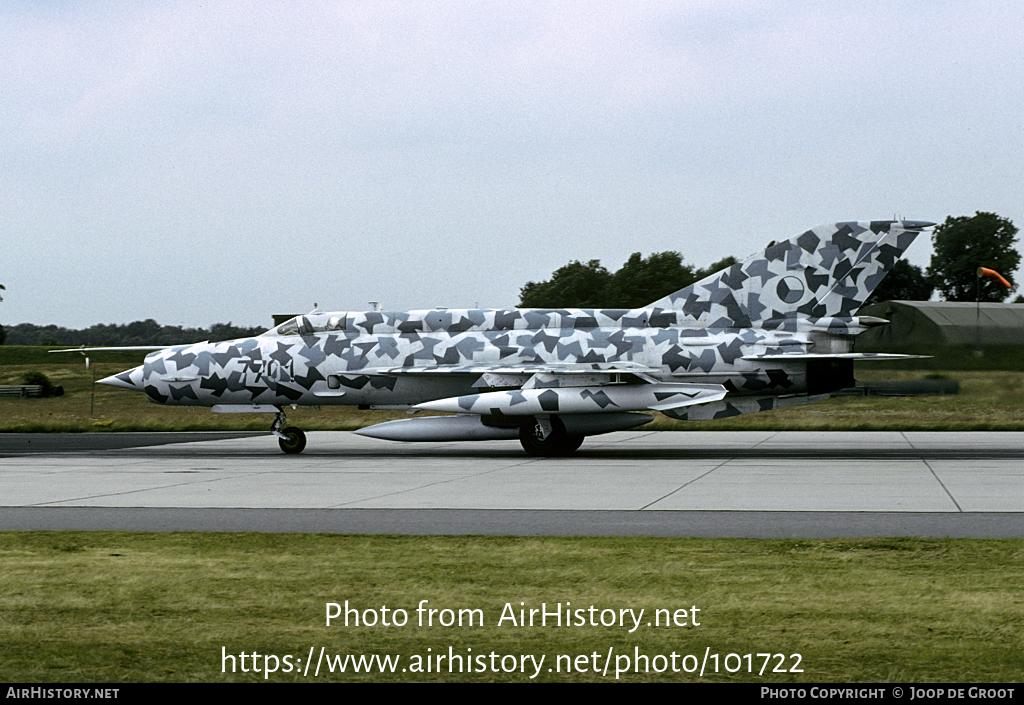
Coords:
830,270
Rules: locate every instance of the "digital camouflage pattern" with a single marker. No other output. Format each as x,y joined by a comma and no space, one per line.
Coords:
774,330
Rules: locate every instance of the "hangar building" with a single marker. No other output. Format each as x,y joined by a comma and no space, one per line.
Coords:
919,325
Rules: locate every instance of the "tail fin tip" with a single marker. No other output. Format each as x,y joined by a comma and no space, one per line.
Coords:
829,270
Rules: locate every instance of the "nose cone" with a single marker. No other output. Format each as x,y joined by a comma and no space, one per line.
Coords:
129,379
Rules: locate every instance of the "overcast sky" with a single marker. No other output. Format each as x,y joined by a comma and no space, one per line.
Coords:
200,162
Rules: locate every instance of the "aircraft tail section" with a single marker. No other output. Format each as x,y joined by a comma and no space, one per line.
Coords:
827,271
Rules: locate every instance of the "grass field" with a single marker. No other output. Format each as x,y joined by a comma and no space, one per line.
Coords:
989,400
122,607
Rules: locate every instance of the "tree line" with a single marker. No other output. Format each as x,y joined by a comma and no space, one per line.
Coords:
637,283
147,332
960,244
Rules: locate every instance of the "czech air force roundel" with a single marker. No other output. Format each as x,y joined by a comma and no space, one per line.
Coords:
790,290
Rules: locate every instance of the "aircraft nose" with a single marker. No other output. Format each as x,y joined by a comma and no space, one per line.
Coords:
129,379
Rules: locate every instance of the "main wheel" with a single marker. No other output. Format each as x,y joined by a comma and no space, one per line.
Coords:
293,442
557,444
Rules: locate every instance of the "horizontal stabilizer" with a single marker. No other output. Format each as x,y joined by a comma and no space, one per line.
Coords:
580,400
806,357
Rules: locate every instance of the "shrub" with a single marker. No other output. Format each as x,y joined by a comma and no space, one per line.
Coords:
43,381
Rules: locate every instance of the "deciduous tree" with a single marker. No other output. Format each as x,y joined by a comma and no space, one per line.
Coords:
904,282
575,285
965,243
642,280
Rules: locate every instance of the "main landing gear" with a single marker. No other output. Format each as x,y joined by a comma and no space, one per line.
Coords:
544,436
547,437
291,439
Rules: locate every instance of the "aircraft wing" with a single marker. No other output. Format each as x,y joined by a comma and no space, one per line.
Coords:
562,387
580,400
116,348
804,357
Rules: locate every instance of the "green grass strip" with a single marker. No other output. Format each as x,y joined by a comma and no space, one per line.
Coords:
124,607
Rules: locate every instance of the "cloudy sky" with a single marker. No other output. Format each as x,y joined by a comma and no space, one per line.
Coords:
199,162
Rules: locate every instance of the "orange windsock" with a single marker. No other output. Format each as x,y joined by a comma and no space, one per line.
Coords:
993,274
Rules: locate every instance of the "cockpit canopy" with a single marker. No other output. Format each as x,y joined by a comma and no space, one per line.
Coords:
315,322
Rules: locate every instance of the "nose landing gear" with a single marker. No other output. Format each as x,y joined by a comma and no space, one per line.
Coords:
291,439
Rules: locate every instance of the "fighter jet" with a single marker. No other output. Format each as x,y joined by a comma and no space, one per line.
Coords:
775,330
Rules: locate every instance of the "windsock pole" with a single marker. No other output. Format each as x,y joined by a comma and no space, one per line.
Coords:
991,274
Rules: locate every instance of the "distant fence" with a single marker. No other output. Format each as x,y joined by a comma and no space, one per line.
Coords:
21,390
29,390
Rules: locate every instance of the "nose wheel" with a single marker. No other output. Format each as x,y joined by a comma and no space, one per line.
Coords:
291,439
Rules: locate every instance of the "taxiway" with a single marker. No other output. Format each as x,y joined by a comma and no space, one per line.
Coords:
750,484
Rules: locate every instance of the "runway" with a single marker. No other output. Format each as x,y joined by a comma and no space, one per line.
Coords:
723,484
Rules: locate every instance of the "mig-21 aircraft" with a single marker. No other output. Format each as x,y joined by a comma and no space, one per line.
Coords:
775,330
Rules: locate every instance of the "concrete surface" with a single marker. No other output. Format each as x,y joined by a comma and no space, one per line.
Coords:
671,475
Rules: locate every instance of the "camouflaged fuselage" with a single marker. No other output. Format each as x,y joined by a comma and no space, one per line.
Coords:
773,330
398,358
